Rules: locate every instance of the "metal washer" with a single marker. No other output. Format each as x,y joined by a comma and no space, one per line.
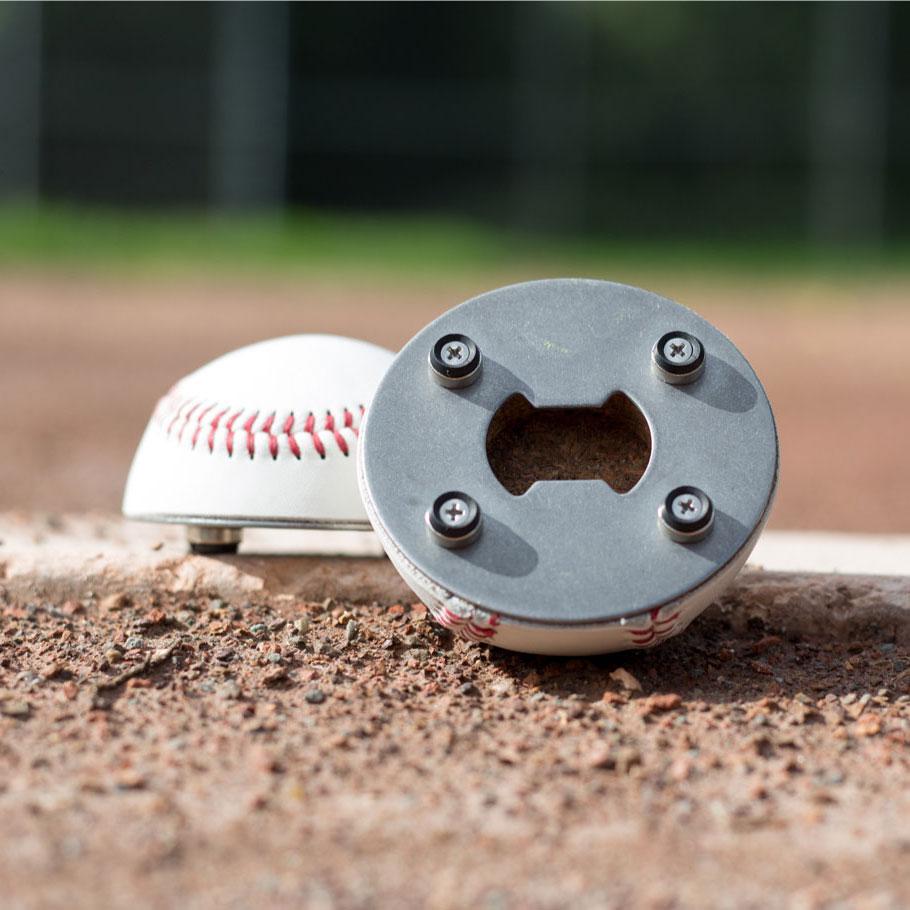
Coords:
569,567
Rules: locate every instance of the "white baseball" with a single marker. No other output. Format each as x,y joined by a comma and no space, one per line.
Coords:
263,436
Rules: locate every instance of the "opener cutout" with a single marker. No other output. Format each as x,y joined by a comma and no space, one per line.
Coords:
526,444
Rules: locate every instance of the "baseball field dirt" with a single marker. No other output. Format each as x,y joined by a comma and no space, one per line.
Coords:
278,731
282,730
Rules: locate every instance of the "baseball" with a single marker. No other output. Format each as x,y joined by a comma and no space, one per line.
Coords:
264,436
587,484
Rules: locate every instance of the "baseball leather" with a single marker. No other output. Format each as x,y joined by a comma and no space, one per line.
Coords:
264,435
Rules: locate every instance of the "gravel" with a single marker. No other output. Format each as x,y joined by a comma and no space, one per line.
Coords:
379,762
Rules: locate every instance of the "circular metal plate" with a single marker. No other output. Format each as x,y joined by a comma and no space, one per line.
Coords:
570,552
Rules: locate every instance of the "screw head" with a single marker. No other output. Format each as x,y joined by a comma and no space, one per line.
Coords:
454,519
687,514
455,361
678,358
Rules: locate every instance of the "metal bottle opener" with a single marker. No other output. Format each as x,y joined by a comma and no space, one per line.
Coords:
539,562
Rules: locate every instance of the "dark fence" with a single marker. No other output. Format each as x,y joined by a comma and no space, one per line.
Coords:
625,119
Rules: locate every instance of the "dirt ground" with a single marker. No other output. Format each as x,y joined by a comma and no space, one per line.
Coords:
84,358
180,741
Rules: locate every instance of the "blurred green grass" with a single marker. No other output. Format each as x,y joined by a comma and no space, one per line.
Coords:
403,247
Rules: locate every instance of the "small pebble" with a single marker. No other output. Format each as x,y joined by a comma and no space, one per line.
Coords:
275,677
832,778
302,625
868,725
627,758
134,641
274,658
114,602
315,696
229,690
15,708
601,758
626,680
257,628
130,780
657,703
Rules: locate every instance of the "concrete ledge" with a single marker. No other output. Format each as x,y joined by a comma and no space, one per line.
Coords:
826,551
78,557
73,556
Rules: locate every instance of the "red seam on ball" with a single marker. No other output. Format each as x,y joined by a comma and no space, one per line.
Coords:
339,439
273,439
199,418
230,432
250,438
176,414
292,442
215,421
186,420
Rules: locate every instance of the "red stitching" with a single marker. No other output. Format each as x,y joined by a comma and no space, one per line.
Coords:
330,426
349,421
657,629
214,429
292,442
478,633
176,416
198,429
230,433
273,439
188,415
450,619
250,438
186,420
309,427
464,626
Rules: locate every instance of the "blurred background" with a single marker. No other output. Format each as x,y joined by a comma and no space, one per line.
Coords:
179,180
